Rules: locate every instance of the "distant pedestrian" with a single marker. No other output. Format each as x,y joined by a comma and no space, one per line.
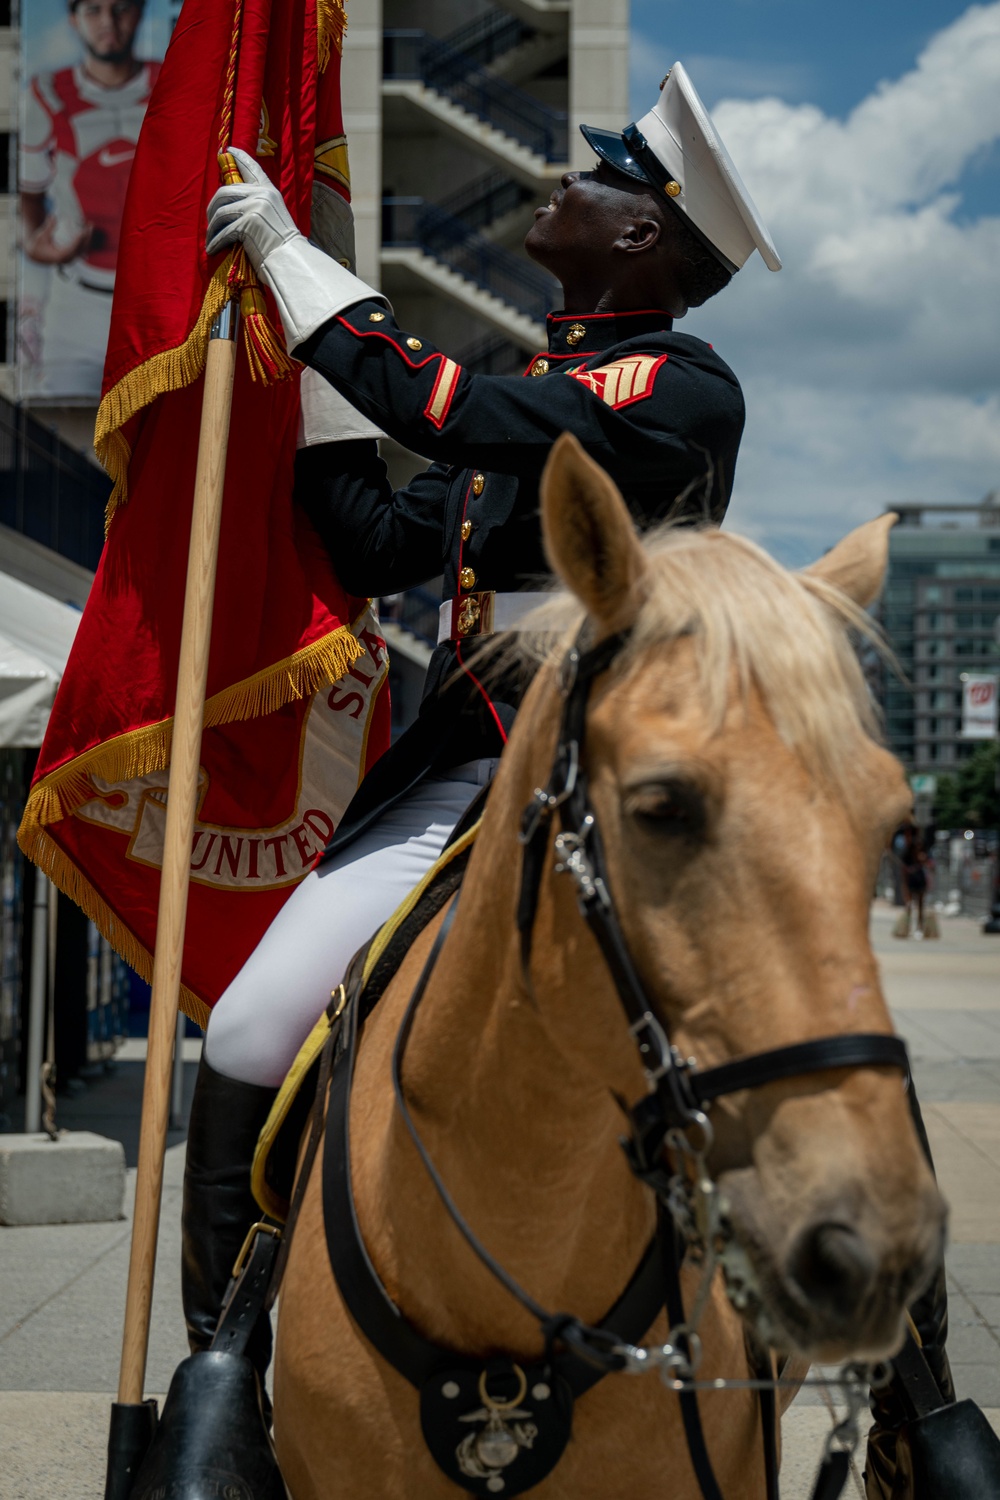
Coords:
899,847
917,867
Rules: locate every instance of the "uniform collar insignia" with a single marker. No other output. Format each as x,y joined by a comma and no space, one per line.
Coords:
594,332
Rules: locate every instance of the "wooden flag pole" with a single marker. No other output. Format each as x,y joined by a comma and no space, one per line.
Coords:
192,677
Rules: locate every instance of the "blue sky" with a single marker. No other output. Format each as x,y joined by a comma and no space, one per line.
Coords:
805,51
868,136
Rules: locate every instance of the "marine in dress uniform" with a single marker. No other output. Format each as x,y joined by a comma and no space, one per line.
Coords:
661,223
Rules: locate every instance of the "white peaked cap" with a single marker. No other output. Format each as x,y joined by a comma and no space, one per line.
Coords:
677,149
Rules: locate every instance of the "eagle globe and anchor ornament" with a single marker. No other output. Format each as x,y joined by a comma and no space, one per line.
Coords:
511,1446
483,1454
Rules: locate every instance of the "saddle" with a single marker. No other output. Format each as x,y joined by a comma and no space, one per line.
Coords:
370,970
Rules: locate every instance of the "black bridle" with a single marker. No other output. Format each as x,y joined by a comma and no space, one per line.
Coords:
677,1097
679,1092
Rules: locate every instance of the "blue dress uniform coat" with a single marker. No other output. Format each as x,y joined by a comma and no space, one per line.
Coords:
659,410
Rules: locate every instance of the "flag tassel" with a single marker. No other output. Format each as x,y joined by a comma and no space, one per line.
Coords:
264,348
268,360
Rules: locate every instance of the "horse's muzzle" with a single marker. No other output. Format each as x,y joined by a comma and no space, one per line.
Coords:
837,1286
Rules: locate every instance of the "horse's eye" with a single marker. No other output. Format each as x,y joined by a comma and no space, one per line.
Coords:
667,807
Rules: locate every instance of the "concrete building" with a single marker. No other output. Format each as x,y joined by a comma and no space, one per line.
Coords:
940,610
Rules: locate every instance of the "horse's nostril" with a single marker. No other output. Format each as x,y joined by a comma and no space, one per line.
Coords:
833,1266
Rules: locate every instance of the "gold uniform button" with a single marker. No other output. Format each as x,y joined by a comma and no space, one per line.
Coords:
467,578
540,367
478,483
672,189
376,317
466,530
412,343
575,334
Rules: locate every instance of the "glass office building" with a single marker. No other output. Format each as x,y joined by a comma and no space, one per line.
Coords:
940,611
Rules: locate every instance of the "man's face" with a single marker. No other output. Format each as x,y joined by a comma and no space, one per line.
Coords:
584,216
107,27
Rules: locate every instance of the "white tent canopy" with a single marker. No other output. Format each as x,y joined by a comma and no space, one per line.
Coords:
36,633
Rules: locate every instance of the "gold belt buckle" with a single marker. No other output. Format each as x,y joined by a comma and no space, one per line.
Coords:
472,615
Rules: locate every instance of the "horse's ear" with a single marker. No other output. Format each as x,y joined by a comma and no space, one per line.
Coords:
590,540
857,564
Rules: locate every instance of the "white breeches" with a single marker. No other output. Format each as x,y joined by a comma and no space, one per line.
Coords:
261,1020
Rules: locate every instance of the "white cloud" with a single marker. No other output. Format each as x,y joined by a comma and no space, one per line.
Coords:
716,75
870,362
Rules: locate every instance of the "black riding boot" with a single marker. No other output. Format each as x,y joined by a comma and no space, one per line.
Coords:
930,1317
226,1118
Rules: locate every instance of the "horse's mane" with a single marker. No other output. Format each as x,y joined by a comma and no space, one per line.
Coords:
783,633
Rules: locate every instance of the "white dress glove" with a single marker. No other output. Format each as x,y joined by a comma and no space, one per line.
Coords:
308,286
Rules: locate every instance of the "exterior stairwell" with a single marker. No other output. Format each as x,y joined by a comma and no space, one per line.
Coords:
484,284
506,47
494,205
514,131
464,246
443,250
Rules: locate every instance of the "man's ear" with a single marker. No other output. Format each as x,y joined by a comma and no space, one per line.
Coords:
857,564
640,234
589,537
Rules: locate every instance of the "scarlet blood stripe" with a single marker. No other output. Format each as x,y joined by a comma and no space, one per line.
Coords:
436,409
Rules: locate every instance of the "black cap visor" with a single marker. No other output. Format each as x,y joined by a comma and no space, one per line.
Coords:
629,153
611,148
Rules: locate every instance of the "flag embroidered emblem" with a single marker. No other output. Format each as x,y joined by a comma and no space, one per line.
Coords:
624,380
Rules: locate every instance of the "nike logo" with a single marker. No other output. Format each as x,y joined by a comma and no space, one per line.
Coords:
115,158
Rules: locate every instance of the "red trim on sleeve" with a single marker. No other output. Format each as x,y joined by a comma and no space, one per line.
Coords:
373,333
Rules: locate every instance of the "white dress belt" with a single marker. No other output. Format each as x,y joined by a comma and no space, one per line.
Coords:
469,615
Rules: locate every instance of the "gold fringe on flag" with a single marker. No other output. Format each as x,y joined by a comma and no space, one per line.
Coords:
169,370
140,752
172,369
331,23
63,873
143,751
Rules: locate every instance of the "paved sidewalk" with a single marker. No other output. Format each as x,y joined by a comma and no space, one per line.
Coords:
62,1288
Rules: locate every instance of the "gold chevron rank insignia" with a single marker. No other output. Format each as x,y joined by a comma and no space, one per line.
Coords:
624,380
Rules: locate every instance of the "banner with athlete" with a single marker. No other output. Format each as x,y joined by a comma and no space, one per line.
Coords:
88,68
297,707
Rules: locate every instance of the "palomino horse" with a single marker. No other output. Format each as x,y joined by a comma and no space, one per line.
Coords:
743,802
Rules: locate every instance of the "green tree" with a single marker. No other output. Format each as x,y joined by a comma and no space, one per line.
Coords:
970,799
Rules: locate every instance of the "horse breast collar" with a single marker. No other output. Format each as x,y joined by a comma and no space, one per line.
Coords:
494,1426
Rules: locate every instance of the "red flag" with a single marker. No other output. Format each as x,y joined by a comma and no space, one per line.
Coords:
297,708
